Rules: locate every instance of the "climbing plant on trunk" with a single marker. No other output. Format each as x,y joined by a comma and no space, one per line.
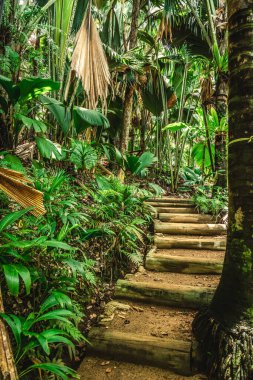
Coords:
224,332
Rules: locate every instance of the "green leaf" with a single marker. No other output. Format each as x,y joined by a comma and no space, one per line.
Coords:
61,371
25,244
76,267
214,116
12,273
38,125
12,217
111,34
83,155
175,127
59,314
3,104
61,113
56,298
146,37
139,165
84,118
15,324
200,153
43,342
24,273
12,279
50,336
158,190
12,162
48,149
59,244
146,160
31,88
103,183
216,54
152,101
12,90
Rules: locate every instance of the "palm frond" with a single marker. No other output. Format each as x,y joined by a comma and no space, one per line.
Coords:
13,184
89,62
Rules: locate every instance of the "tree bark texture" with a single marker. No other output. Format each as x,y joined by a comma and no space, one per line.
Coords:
129,94
225,331
221,159
1,10
7,366
234,296
221,100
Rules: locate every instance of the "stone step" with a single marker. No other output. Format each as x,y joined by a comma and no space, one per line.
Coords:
166,289
171,204
213,243
170,262
185,201
204,229
186,218
170,295
176,210
161,352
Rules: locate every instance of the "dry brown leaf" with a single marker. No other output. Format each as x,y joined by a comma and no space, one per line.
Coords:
13,184
89,62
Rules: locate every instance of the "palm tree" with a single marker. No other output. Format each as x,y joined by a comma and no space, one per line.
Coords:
224,332
203,28
129,94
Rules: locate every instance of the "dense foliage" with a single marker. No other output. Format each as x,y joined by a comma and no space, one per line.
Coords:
56,265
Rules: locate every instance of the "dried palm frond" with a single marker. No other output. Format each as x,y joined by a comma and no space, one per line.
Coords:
13,184
25,151
206,91
89,62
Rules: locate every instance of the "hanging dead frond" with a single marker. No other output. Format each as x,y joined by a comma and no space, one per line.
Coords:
206,91
90,64
13,184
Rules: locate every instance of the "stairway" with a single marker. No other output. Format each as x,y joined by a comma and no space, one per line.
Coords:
149,322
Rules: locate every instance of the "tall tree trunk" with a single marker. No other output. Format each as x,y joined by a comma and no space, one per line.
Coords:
8,369
221,136
129,94
143,131
127,118
220,160
1,10
221,93
224,332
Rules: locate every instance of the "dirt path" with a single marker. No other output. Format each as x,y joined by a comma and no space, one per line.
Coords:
149,322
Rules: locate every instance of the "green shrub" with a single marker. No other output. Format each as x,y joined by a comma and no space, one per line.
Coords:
209,203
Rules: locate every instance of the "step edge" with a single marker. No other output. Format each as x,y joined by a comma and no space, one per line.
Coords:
173,288
176,343
187,259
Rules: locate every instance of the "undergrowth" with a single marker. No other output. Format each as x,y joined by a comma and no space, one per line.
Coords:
211,203
55,268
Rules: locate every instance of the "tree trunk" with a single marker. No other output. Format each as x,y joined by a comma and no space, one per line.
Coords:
221,159
7,367
128,101
221,98
127,118
224,332
1,10
143,131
